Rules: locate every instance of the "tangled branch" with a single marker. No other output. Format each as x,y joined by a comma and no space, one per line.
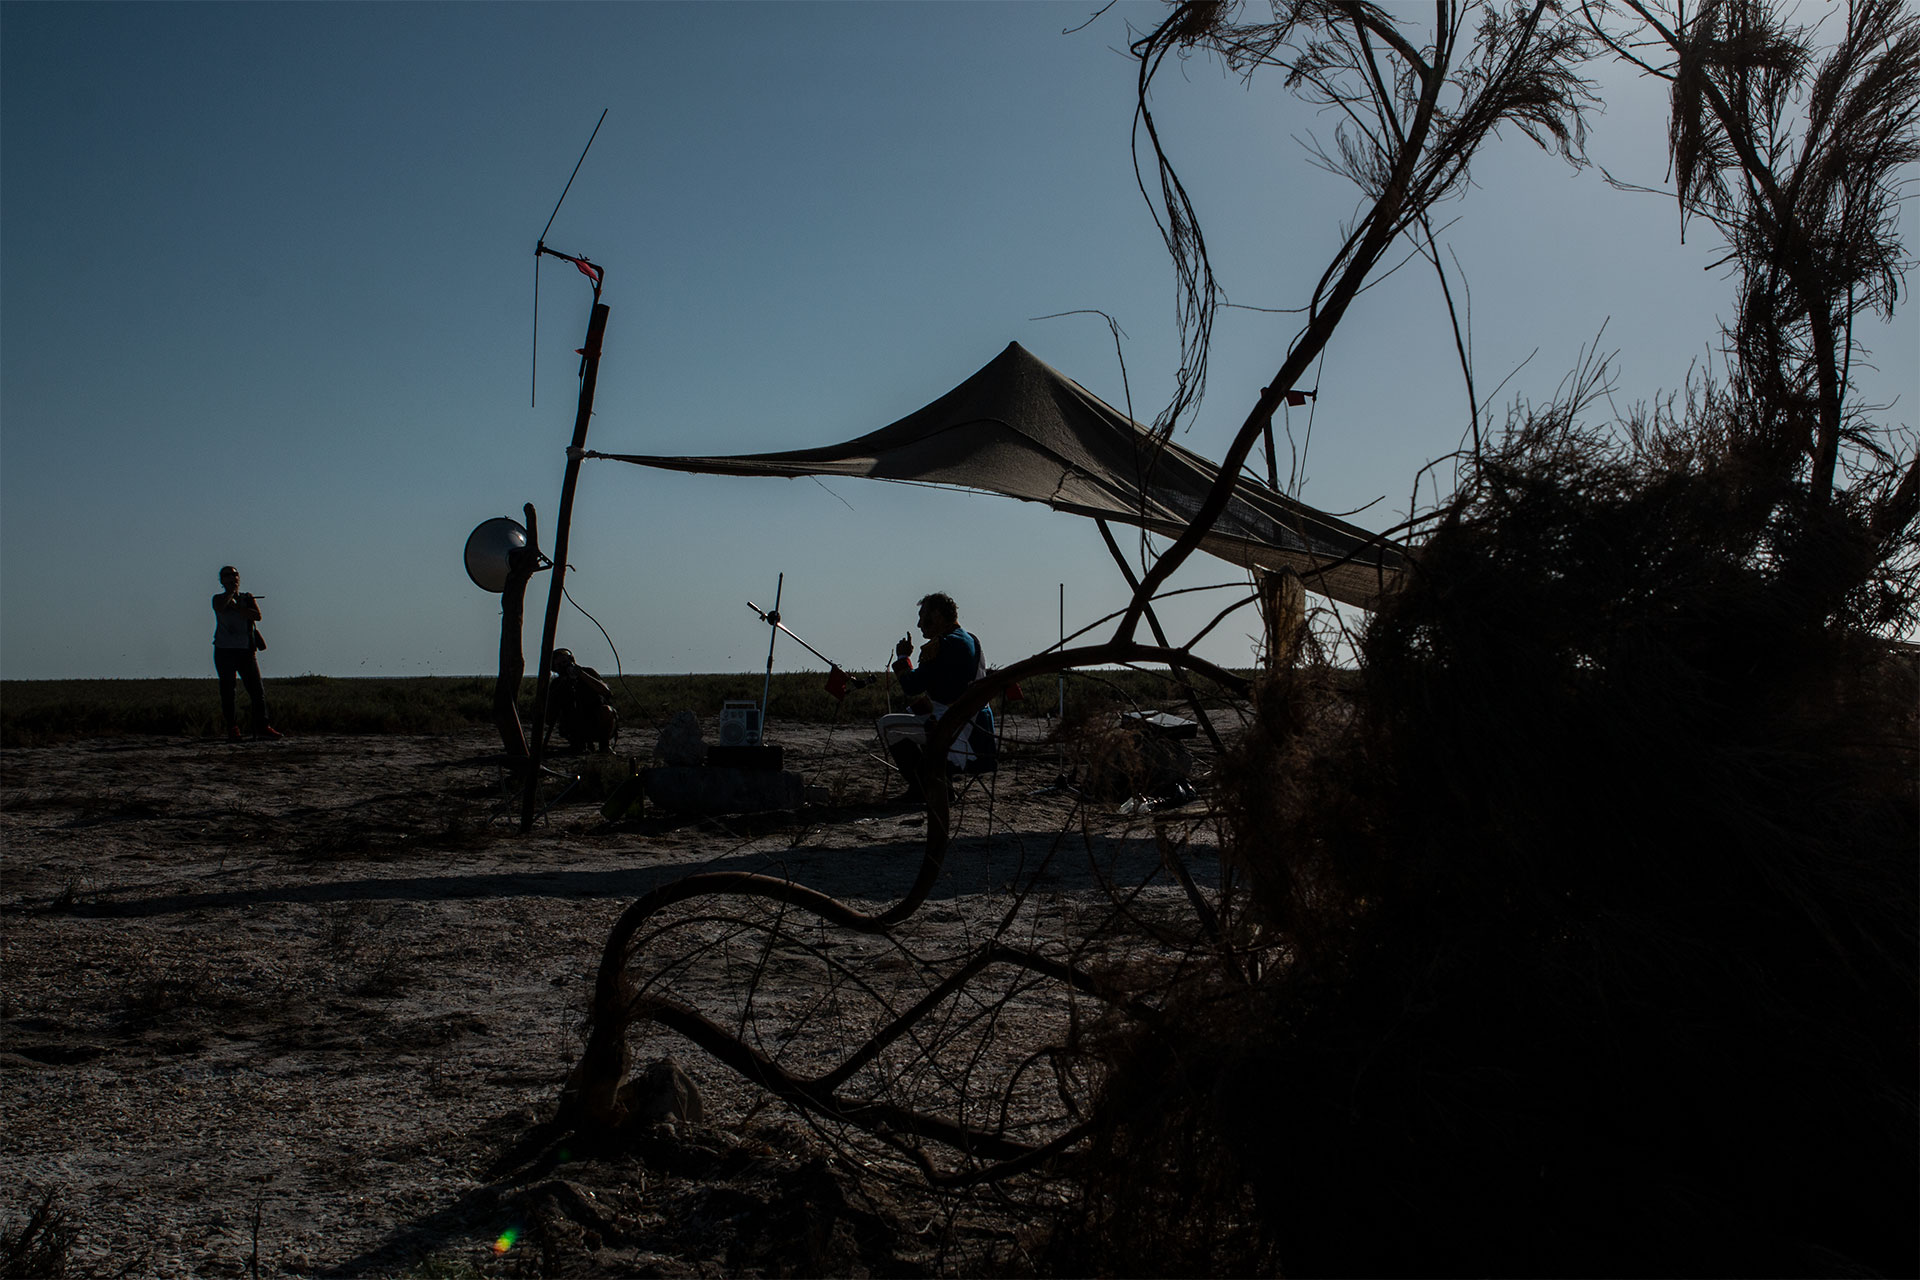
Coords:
1414,112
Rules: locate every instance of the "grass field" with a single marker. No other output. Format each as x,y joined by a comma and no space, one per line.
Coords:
36,712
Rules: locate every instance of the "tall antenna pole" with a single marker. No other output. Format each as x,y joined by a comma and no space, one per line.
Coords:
589,375
533,394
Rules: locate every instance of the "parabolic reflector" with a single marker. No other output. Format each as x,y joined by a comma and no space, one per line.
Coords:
488,547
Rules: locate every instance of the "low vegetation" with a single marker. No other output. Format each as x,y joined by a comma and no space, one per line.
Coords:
37,712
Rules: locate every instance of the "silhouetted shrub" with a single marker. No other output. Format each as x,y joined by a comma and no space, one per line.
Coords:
1597,902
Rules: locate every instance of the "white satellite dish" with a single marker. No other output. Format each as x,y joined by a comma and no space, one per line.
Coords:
488,547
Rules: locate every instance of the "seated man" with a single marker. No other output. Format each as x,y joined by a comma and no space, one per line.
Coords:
580,704
950,661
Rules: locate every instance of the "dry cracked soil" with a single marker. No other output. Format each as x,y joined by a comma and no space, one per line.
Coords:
306,1007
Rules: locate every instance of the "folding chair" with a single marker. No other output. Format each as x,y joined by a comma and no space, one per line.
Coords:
982,772
979,771
971,775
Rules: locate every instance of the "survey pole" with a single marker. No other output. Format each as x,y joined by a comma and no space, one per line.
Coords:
589,375
773,635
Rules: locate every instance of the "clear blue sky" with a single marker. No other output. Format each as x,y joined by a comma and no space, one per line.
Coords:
266,298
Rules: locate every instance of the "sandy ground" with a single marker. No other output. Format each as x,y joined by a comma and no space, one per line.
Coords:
299,1007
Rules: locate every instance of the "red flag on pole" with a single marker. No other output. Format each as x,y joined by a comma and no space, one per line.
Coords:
581,265
592,273
838,683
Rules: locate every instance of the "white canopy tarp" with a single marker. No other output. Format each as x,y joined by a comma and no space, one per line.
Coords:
1020,428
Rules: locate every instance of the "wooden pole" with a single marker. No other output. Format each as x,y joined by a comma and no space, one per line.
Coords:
589,375
521,564
1273,458
1283,605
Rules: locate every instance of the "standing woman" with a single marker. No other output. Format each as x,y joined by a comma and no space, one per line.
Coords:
235,611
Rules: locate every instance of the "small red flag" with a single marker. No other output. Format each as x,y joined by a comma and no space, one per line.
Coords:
1013,693
837,683
581,265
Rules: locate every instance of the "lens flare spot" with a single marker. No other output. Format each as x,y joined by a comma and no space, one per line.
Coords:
506,1240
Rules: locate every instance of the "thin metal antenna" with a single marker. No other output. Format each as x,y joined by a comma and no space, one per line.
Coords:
576,173
766,689
541,244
